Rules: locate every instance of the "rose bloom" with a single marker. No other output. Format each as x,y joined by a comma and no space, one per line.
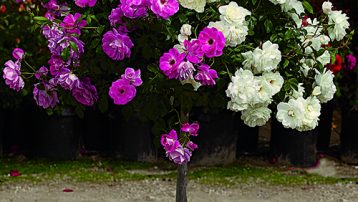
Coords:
18,53
164,8
84,92
84,3
212,42
12,75
122,92
170,61
116,45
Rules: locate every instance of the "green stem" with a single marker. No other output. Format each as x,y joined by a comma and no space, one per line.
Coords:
33,69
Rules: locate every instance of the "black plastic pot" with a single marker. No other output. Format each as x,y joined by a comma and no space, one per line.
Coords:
295,147
58,136
349,136
95,132
247,139
217,138
131,139
325,127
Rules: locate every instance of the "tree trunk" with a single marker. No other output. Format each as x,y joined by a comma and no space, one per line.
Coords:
182,182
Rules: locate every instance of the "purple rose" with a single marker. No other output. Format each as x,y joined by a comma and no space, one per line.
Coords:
52,32
42,72
170,61
179,155
116,16
134,8
56,64
55,9
45,94
116,45
73,23
164,8
191,145
193,48
12,75
133,76
18,53
351,62
65,42
122,92
66,79
206,75
186,70
212,42
170,141
84,92
192,129
84,3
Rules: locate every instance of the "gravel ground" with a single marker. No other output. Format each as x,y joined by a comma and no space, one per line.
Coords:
157,190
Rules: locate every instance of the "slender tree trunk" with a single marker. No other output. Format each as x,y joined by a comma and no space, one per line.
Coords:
182,180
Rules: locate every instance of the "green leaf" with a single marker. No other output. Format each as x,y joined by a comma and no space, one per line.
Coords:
153,68
74,46
65,54
40,18
253,2
307,6
285,64
268,25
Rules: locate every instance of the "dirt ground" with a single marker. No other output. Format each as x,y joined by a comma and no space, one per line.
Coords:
163,191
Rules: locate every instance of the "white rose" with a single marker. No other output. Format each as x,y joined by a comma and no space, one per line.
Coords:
197,5
191,81
278,1
312,112
297,93
182,38
179,47
293,4
325,58
233,14
185,30
327,7
338,22
263,60
234,35
263,93
241,90
316,91
291,113
275,81
306,65
325,82
256,116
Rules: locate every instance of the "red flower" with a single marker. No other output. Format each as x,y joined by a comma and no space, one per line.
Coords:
337,66
2,8
15,173
304,21
67,190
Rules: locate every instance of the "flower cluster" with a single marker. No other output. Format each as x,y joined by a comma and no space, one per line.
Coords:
253,87
232,23
12,73
180,150
116,42
188,57
124,90
301,92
